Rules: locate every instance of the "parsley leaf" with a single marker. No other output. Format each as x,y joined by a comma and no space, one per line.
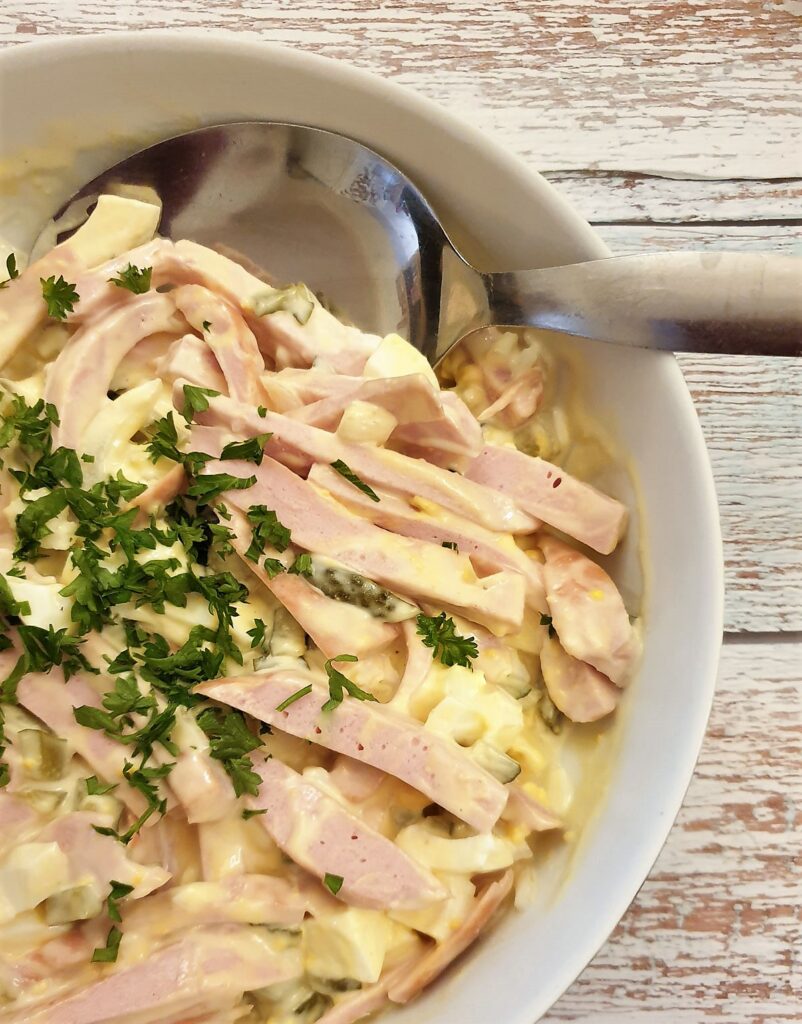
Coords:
267,530
294,696
59,295
134,279
273,567
118,488
31,422
11,267
333,883
32,523
302,566
42,650
119,890
94,787
439,633
257,634
251,450
141,779
262,411
108,954
206,488
247,814
339,684
8,603
352,478
196,400
545,620
230,742
164,441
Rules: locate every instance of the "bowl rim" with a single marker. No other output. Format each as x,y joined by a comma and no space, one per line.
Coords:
227,42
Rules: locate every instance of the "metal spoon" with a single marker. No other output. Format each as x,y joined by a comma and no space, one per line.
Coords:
311,205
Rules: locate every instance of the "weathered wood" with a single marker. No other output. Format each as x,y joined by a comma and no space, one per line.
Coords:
683,87
712,933
610,198
751,414
603,96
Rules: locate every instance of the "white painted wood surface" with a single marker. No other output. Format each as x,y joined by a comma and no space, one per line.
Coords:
670,123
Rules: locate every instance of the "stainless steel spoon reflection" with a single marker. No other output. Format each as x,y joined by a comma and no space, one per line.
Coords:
309,205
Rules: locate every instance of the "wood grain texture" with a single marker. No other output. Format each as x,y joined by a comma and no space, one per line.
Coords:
605,197
751,414
671,124
716,931
699,87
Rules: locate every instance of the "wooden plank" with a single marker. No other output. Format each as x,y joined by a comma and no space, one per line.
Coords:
710,937
757,237
687,87
608,198
751,413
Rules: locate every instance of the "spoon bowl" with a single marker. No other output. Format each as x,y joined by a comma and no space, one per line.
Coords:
312,205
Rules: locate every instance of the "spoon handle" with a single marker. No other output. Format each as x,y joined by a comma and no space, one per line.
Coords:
735,303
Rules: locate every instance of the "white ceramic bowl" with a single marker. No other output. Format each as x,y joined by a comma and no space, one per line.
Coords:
71,107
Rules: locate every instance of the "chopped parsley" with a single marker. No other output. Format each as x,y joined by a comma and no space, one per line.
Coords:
352,478
134,279
248,813
257,634
451,545
230,742
11,269
108,953
42,649
267,532
302,566
251,450
440,633
273,567
94,787
333,883
59,295
206,325
206,488
293,697
545,620
339,684
31,423
262,411
196,400
143,780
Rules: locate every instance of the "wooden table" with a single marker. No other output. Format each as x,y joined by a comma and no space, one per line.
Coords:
671,124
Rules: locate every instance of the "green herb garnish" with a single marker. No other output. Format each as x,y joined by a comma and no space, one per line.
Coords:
11,268
439,633
230,742
333,883
251,450
339,684
59,295
352,478
293,697
134,279
267,531
196,400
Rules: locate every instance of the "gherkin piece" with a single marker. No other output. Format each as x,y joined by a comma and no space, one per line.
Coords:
80,903
549,712
500,765
342,584
44,754
296,299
